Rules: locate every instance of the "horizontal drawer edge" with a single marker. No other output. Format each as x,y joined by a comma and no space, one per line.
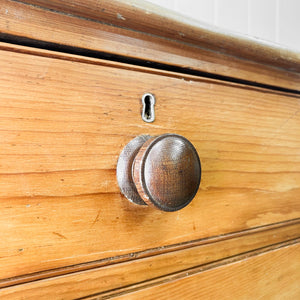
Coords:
238,275
190,255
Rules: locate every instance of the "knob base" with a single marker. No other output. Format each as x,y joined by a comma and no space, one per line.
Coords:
124,169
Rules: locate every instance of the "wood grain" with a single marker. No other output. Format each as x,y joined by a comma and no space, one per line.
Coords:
271,275
160,267
143,16
63,124
166,172
19,21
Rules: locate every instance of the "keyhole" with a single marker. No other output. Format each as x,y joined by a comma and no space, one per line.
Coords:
147,107
148,114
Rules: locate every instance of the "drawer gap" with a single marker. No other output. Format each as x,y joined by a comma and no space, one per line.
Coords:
50,46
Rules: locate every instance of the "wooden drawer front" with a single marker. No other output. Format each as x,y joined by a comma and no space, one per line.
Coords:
123,278
65,119
266,276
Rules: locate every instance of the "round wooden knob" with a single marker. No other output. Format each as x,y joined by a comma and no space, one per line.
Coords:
162,171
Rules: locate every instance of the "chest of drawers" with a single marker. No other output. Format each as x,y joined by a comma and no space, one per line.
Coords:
72,78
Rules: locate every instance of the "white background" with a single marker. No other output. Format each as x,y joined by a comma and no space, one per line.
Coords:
277,21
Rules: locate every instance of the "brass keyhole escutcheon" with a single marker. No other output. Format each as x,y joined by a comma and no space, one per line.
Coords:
160,171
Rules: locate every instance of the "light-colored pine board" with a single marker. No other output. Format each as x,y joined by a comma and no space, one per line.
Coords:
100,280
27,21
63,124
139,15
271,275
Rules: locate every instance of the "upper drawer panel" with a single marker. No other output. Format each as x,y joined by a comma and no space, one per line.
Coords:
63,124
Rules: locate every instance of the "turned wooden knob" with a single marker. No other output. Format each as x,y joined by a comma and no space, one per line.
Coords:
162,171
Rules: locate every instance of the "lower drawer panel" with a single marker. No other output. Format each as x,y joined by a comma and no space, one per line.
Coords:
156,269
271,275
63,122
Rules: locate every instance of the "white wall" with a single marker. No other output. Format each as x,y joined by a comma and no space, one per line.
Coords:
277,21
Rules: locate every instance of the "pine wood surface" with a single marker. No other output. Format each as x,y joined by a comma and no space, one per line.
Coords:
161,268
63,124
146,17
19,21
271,275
